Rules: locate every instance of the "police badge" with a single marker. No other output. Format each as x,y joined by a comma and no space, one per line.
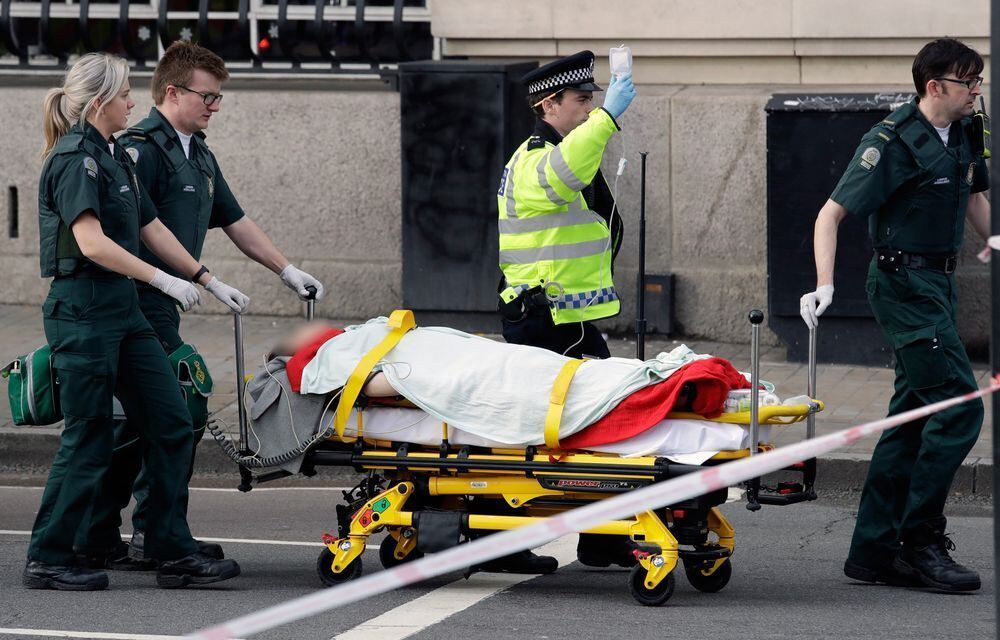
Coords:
211,188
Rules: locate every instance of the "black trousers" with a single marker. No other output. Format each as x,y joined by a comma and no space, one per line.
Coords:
575,340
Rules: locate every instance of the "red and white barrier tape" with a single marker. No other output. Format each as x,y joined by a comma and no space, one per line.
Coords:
580,519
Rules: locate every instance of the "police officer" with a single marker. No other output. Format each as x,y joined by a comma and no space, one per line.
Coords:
916,177
559,224
92,214
559,233
191,195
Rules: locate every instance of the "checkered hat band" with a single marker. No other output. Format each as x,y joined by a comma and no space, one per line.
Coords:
563,78
582,300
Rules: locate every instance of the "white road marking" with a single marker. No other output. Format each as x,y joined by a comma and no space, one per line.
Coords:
96,635
434,607
287,543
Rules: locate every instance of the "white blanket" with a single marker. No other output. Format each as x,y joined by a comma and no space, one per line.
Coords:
684,441
491,389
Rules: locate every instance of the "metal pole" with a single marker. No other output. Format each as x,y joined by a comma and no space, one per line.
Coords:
811,385
756,318
640,321
995,296
240,382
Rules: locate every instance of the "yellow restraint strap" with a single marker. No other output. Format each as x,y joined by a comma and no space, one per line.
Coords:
557,399
400,322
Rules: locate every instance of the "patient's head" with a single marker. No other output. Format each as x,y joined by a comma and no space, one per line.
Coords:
301,336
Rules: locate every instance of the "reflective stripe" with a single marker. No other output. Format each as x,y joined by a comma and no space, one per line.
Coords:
563,172
583,300
509,195
543,180
548,221
555,252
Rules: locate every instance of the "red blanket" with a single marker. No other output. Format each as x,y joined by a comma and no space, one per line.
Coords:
302,357
712,379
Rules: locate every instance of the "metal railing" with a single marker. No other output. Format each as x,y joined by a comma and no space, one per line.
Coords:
301,36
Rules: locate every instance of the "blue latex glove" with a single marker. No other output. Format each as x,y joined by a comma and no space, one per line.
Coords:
619,96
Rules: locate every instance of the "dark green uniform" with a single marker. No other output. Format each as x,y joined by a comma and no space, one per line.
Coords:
191,196
102,345
914,191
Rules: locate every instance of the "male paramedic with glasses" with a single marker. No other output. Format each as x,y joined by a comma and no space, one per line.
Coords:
559,233
184,181
916,177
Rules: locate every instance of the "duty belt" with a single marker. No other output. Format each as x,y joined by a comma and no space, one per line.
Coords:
893,260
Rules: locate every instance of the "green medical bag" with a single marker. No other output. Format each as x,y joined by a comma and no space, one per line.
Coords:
196,383
32,389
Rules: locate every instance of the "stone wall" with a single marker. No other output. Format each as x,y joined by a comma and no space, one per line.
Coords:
317,166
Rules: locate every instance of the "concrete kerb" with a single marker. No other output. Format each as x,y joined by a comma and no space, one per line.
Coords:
27,453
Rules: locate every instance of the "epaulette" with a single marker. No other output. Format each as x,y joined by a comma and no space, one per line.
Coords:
69,143
535,142
135,133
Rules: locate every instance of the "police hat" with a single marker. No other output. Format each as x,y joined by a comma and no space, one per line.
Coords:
572,72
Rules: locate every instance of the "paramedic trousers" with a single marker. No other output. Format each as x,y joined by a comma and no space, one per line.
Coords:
127,476
576,340
913,465
103,346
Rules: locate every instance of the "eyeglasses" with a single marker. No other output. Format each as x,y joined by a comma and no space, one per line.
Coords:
968,84
208,98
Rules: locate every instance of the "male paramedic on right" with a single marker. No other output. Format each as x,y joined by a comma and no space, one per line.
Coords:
559,232
916,178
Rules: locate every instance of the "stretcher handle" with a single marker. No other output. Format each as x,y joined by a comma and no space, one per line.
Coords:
756,317
310,302
811,384
240,381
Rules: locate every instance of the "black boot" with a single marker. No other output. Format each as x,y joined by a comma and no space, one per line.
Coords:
117,558
196,568
42,575
524,562
925,557
210,549
600,550
881,575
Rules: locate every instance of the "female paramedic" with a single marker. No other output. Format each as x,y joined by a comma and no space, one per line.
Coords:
92,215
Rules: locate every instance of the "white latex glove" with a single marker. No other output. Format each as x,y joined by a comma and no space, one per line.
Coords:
180,290
230,296
297,280
812,305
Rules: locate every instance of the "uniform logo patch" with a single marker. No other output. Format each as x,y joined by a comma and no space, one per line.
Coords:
870,158
189,188
944,180
90,165
211,188
124,188
133,153
969,173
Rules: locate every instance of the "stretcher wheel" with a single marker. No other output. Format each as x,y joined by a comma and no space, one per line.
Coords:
654,597
709,584
387,553
324,567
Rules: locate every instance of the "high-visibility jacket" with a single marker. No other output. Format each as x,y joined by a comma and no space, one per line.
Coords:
549,235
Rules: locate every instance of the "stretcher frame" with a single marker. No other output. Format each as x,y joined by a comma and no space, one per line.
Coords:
412,488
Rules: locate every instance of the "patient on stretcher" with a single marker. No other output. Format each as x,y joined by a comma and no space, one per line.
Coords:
492,394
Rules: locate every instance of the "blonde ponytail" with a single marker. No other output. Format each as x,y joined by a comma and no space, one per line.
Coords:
95,76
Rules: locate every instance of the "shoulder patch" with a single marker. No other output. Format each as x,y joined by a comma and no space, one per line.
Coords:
90,166
133,152
870,158
535,142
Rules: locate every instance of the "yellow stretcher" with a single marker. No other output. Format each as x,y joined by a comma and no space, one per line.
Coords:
431,498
